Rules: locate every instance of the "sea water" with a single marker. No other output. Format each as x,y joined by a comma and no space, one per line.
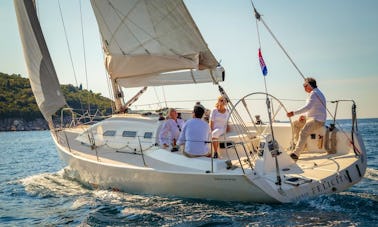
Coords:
34,191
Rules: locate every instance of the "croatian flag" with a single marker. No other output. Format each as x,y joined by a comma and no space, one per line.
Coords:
262,64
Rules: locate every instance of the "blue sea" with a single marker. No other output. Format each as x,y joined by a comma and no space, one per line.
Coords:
34,191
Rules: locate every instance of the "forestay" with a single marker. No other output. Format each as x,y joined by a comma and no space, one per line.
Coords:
43,79
142,40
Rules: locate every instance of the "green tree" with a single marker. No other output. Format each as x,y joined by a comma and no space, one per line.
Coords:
17,99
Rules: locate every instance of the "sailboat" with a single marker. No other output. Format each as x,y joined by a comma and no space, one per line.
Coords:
157,43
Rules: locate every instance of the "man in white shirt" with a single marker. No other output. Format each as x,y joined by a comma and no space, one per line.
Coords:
316,114
196,134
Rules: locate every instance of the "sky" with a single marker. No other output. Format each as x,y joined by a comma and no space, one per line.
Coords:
336,42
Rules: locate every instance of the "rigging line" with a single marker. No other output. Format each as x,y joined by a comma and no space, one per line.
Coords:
259,18
157,97
68,44
69,52
275,149
283,49
107,78
165,99
258,33
234,114
84,55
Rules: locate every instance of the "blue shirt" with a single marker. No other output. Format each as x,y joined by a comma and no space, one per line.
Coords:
195,134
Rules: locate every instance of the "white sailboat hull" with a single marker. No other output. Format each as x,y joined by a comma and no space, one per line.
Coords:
161,172
154,43
223,187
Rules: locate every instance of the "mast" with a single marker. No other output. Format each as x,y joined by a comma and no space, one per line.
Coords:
118,96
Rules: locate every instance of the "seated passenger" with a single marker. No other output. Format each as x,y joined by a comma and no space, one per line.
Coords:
218,122
170,131
195,134
258,120
161,117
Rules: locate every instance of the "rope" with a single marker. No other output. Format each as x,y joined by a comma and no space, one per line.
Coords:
274,151
68,44
259,18
69,52
84,54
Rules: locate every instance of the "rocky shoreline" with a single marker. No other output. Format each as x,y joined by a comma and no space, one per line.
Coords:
19,124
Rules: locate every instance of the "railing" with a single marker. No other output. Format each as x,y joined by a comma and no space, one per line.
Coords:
140,147
354,127
76,118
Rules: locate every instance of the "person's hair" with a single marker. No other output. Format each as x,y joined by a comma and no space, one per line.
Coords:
218,101
311,81
169,112
198,110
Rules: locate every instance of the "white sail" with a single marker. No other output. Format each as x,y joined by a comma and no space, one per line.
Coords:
143,39
43,79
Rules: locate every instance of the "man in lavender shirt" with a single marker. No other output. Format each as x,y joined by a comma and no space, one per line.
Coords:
316,114
196,134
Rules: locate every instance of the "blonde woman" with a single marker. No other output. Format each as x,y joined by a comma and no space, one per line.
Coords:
218,122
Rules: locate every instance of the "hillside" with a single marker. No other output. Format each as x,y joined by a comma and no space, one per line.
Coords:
17,100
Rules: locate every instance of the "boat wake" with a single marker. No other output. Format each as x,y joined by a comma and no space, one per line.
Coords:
106,207
52,184
371,174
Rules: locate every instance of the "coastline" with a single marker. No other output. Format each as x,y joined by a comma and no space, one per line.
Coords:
20,124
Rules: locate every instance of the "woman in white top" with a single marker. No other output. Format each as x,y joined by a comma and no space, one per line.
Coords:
218,122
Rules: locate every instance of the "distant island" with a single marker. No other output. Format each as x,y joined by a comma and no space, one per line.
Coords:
19,110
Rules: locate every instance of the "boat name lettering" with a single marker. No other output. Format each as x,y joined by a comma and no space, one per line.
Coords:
329,184
224,179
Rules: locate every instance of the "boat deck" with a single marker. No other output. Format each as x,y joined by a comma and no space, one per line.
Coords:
314,166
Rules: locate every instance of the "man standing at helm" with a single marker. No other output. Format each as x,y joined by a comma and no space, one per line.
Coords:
315,116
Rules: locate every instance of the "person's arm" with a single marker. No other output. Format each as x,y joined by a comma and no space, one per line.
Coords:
309,104
211,125
182,139
211,120
163,135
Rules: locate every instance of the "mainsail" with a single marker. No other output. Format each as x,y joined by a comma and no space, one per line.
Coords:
143,39
43,79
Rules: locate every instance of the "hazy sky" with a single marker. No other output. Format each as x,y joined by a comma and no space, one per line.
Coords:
335,42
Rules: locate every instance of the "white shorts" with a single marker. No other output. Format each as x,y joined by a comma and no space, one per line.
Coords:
216,133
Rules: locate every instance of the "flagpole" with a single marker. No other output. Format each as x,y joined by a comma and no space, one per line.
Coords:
273,148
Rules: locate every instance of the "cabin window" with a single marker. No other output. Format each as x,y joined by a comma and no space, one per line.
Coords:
109,133
129,133
147,135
